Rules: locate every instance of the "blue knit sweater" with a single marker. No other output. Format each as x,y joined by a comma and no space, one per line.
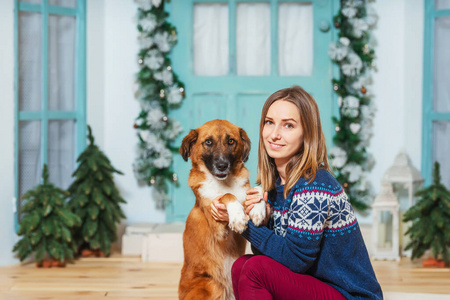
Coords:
314,231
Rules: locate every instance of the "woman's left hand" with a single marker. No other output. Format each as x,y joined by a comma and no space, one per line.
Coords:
254,197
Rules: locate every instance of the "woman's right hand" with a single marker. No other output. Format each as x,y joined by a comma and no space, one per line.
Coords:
219,210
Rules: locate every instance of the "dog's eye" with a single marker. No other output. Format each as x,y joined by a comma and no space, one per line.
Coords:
231,142
208,142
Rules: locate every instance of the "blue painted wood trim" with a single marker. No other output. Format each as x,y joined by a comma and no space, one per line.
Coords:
16,113
81,76
23,6
59,10
52,9
427,98
44,87
436,116
441,13
50,115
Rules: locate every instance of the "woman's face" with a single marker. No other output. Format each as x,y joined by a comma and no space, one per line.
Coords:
282,131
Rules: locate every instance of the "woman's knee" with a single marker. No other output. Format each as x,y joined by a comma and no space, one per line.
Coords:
257,267
239,264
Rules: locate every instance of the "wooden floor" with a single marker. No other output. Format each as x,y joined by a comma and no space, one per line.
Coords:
121,277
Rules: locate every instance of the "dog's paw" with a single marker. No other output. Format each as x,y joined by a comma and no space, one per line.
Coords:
258,213
237,218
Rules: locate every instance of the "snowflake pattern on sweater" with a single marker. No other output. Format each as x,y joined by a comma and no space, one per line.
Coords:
314,209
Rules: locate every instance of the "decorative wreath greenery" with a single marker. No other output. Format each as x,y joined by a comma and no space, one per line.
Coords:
159,90
354,54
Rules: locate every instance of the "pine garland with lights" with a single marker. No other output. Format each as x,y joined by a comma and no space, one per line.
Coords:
354,55
159,91
47,224
430,228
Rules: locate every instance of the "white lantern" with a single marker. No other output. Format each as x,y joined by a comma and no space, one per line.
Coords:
405,180
385,230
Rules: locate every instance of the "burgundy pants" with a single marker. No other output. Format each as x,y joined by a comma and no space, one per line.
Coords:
260,277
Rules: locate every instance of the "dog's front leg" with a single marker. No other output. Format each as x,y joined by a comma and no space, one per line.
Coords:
236,215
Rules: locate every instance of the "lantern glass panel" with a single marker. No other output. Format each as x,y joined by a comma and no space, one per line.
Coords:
385,227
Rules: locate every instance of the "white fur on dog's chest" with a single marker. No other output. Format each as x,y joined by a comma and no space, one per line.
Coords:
212,187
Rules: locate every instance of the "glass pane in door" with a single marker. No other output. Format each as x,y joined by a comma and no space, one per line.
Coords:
441,89
61,62
30,156
442,4
30,61
210,28
253,39
61,152
295,39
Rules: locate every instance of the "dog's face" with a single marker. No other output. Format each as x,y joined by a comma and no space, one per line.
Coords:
219,145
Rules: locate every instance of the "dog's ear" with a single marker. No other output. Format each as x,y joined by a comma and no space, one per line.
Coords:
247,144
188,142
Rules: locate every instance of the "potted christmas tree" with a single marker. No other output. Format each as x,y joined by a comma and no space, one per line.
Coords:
46,225
430,227
96,200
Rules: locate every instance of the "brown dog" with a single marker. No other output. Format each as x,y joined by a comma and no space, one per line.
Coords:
218,150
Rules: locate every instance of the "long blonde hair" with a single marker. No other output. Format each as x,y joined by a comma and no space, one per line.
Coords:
312,154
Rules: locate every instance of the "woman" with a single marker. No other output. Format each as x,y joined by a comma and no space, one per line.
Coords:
311,244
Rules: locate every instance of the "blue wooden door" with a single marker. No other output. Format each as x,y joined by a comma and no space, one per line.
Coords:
238,98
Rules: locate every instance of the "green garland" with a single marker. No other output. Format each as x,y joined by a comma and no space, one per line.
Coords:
354,55
159,91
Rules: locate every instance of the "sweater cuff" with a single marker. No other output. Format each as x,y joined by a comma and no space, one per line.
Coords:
256,235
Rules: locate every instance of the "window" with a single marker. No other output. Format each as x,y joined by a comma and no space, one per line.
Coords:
436,97
252,39
50,90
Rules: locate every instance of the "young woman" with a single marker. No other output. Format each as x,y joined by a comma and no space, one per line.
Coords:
311,244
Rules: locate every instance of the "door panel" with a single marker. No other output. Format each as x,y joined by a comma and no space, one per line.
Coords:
239,99
207,107
248,113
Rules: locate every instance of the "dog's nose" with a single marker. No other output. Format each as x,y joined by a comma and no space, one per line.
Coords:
222,166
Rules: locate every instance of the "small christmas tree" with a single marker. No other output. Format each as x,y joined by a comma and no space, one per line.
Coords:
96,200
46,224
430,221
